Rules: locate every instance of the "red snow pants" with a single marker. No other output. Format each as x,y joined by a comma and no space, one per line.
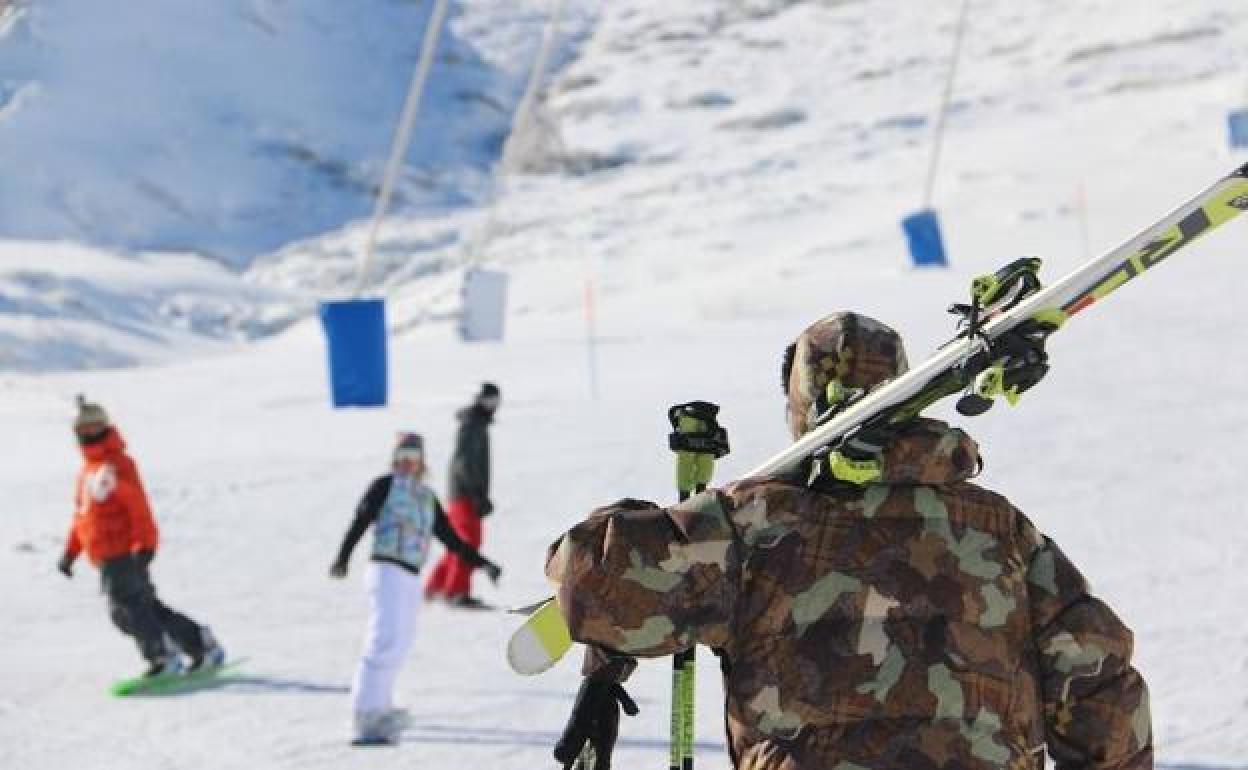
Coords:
452,576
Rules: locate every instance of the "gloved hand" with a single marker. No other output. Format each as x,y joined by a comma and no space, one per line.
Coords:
66,566
492,571
595,719
145,556
338,570
484,508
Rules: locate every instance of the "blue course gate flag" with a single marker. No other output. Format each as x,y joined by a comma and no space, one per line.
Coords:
923,233
355,331
1237,128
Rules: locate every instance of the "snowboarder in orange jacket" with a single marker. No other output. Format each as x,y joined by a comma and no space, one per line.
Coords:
113,524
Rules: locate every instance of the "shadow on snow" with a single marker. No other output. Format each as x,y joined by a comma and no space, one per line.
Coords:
249,685
496,736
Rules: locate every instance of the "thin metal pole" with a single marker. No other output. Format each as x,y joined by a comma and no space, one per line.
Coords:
684,688
482,234
403,136
541,63
938,138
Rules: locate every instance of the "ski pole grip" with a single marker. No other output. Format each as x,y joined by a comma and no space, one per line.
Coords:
698,440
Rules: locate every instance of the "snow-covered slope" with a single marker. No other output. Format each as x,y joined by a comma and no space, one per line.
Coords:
66,306
231,128
225,130
716,223
783,136
254,479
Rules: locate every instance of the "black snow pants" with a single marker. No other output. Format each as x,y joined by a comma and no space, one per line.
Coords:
136,611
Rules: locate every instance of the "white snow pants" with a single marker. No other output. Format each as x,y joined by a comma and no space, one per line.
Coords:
394,596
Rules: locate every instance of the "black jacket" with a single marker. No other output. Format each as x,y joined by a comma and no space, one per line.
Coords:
470,462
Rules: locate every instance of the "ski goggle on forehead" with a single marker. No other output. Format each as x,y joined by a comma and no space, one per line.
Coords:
408,456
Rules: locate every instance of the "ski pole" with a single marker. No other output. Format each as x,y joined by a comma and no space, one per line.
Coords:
698,440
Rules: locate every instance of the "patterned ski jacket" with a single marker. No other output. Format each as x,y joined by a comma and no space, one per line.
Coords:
406,516
112,517
918,623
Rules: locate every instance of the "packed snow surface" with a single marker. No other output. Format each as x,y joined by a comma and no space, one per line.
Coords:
730,172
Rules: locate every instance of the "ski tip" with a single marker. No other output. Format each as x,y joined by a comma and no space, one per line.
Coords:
529,609
524,664
121,689
540,642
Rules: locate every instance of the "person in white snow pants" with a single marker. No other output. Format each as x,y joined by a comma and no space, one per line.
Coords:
394,598
405,515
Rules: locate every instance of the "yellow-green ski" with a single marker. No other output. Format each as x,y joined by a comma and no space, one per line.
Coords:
541,642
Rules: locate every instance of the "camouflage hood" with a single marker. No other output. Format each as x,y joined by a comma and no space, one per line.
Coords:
929,452
853,350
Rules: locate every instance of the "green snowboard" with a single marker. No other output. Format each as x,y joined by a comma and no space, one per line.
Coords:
170,684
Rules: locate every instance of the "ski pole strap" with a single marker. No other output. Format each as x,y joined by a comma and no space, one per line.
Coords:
698,440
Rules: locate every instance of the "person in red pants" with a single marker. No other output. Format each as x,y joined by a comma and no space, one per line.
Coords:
469,498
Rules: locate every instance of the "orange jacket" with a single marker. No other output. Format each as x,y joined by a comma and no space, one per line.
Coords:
111,517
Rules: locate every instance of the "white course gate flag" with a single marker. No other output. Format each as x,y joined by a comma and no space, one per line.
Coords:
484,305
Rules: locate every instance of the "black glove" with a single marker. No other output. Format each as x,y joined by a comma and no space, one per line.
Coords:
338,570
492,571
595,719
144,557
484,508
66,566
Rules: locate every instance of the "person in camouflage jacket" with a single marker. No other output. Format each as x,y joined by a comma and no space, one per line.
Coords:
913,623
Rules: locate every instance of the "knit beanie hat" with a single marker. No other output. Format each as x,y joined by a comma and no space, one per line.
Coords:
409,442
90,414
852,350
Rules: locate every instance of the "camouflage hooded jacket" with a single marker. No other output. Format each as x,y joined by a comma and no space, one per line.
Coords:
918,623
